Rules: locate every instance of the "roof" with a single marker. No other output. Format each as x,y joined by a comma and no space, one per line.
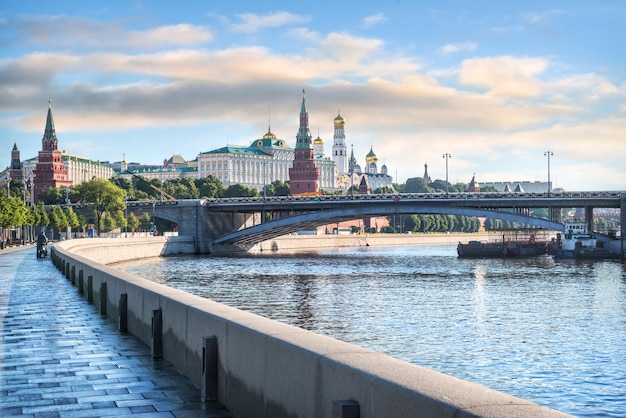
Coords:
237,150
176,159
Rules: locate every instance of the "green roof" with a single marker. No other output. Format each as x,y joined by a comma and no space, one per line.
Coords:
237,150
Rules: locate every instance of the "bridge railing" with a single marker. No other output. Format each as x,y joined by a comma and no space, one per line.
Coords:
398,196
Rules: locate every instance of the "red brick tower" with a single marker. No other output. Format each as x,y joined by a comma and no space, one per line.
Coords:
304,175
50,170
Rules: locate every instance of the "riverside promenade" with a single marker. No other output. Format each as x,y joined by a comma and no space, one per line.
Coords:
60,358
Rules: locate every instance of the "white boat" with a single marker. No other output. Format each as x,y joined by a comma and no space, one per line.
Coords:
579,243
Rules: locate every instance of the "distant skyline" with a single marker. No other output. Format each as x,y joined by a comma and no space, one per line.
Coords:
494,84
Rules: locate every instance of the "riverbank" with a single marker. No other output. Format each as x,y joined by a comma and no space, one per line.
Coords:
307,242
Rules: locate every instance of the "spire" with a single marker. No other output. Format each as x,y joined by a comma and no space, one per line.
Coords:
303,139
49,140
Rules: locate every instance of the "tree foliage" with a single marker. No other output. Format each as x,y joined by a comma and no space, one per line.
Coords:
102,196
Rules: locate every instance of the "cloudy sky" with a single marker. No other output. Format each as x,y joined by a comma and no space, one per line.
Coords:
495,84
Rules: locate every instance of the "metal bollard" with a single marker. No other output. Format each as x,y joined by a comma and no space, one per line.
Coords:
90,289
209,369
81,285
103,298
156,339
346,409
123,325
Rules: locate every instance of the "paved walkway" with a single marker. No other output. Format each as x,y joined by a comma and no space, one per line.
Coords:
60,358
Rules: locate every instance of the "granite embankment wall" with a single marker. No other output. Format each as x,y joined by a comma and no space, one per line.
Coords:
307,242
257,367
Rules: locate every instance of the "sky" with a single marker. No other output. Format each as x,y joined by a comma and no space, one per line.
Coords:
497,85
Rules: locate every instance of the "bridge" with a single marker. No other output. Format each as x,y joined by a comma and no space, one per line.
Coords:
245,221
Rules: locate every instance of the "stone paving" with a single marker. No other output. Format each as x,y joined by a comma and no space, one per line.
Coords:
60,358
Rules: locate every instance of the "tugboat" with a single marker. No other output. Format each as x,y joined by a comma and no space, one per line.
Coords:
578,243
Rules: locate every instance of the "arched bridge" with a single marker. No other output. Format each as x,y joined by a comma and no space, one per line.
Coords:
246,221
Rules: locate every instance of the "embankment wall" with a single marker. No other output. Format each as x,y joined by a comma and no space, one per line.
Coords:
264,368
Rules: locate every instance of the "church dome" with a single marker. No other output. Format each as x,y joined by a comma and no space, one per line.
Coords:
371,157
318,141
269,134
339,119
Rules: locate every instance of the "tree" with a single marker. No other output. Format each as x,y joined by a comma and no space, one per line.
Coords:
108,223
132,221
277,188
58,219
145,221
72,218
238,190
417,185
209,187
102,197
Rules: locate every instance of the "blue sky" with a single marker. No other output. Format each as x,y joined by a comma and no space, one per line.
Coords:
495,84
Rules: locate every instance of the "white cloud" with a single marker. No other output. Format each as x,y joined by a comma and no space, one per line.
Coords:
454,48
63,32
505,75
373,20
250,22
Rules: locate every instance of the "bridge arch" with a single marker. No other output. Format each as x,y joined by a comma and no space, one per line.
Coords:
272,229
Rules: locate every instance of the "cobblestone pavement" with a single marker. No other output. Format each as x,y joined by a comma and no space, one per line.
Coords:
60,358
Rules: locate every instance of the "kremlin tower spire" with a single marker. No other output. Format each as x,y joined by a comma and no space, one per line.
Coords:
304,175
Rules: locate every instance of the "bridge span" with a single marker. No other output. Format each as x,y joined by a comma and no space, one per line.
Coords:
246,221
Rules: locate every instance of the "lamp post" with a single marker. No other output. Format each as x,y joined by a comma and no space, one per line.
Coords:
8,184
446,156
351,172
548,154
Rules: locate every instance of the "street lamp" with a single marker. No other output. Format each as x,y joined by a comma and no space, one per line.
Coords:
548,154
446,156
8,184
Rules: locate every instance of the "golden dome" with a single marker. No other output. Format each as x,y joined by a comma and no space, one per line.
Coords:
371,157
269,134
318,141
339,119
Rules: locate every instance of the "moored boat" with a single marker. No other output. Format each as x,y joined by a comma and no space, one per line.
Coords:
578,243
515,243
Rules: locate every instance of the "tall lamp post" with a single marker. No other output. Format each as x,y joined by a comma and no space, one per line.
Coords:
549,154
446,156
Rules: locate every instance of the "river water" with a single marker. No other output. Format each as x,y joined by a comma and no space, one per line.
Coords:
550,331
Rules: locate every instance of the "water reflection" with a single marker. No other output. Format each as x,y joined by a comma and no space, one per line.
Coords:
549,331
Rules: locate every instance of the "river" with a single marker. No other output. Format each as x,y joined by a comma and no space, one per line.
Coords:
550,331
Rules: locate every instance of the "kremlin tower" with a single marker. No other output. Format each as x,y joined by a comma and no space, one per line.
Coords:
304,175
50,170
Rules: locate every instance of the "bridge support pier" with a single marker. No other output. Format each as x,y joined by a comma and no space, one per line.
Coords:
623,223
589,218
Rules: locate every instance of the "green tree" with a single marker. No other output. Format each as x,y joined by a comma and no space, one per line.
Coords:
132,221
58,220
277,188
209,187
417,185
72,218
145,221
102,196
107,223
239,190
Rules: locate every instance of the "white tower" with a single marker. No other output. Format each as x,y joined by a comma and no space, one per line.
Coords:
340,149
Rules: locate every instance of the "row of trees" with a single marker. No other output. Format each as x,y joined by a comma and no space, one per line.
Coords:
432,223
